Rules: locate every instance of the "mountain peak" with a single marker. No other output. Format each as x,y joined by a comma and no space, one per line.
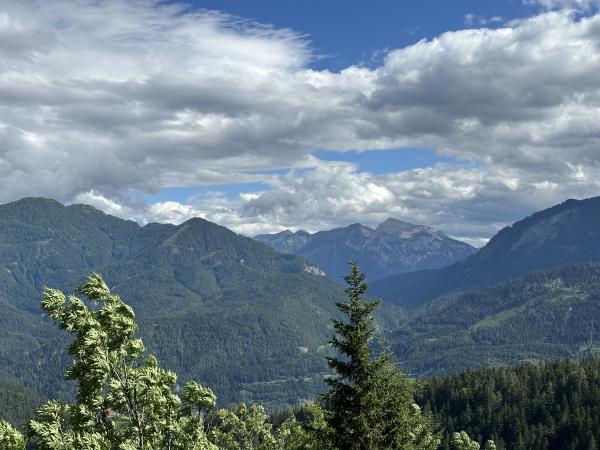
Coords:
394,246
403,229
35,201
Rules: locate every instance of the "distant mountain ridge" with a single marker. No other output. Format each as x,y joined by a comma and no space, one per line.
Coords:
563,234
390,248
545,315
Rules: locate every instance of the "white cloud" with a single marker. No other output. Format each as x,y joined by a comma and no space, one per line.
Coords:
479,20
172,212
105,204
104,101
470,19
581,5
470,203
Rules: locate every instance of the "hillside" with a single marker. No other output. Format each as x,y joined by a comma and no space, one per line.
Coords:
564,234
213,305
17,403
545,315
392,247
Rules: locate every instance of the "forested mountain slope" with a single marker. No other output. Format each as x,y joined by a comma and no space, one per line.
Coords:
213,305
392,247
564,234
545,315
17,403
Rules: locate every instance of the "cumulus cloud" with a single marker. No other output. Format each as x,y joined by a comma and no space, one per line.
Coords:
101,202
470,203
105,101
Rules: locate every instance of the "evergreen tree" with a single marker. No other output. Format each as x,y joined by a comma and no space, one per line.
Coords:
370,404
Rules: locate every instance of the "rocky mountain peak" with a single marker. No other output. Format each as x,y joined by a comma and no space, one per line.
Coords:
283,233
403,230
393,247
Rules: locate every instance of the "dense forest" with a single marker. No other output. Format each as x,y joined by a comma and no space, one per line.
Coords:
253,323
544,406
551,405
255,326
211,304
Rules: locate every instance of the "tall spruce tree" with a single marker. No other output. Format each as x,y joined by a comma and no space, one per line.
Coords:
370,404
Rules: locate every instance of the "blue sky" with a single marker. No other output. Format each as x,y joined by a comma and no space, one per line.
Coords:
347,32
267,115
380,162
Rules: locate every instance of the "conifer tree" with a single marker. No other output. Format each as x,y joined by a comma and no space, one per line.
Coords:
370,404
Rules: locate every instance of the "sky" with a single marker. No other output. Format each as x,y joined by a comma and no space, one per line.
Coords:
305,114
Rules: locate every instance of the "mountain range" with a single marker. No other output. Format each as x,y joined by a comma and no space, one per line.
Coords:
564,234
213,305
390,248
545,315
253,323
